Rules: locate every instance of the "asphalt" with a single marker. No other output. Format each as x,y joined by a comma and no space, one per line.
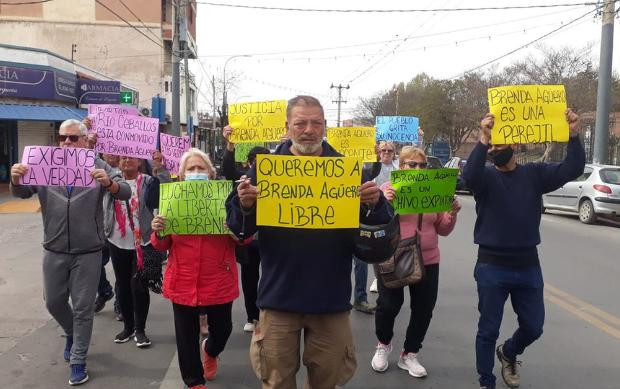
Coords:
579,349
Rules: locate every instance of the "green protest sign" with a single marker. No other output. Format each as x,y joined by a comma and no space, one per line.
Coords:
194,207
423,191
243,149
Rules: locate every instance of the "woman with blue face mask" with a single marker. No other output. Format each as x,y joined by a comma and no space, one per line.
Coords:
200,278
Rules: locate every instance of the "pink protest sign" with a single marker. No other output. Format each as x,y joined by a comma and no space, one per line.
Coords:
112,108
58,166
125,135
172,148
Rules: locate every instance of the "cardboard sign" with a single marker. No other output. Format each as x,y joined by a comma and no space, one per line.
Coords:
126,135
398,128
423,191
308,192
528,114
58,166
94,109
194,207
243,149
356,142
263,121
172,148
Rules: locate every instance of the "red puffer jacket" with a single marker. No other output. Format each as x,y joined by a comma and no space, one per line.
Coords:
201,269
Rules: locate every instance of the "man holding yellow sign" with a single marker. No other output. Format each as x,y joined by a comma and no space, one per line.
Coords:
306,264
508,203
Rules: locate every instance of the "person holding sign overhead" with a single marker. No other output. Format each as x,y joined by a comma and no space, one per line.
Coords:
248,255
305,284
423,295
200,278
508,203
72,243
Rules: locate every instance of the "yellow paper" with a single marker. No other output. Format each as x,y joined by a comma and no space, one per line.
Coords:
308,192
356,142
262,121
528,114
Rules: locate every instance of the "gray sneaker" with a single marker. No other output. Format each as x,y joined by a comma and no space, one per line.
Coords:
365,306
510,372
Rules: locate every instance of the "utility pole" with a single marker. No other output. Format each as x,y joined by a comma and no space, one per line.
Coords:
176,84
73,50
188,97
340,87
214,107
601,135
397,96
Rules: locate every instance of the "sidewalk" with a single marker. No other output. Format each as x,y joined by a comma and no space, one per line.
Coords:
10,204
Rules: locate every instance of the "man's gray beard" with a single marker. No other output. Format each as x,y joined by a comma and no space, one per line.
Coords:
307,149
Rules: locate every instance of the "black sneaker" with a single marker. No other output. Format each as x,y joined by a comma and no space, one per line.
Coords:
142,340
101,300
123,336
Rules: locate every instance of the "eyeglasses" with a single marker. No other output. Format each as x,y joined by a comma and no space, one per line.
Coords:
413,164
72,138
387,151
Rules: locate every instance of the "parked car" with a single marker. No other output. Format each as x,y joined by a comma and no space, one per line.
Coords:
596,192
458,163
433,162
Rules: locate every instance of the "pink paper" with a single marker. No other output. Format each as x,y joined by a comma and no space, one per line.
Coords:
172,148
112,108
126,135
58,166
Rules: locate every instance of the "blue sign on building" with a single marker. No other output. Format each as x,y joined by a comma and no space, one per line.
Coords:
40,83
98,92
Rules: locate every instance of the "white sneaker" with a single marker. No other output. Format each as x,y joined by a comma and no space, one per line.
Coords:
248,327
410,363
373,286
380,360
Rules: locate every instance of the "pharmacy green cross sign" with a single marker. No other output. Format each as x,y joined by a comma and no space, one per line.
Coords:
127,97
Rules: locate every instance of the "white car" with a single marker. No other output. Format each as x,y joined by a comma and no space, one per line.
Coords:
595,192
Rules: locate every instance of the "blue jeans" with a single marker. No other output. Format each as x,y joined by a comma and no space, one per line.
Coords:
360,269
525,287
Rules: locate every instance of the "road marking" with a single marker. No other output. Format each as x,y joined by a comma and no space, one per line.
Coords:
602,320
173,379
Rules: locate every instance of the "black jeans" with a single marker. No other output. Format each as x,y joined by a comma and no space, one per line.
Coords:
250,273
187,330
133,296
423,296
104,288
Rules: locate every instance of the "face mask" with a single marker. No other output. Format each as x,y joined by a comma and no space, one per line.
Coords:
196,177
501,157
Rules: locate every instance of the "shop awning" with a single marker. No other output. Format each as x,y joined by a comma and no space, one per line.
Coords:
40,112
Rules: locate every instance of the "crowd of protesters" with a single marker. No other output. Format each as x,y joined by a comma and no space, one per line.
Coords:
296,282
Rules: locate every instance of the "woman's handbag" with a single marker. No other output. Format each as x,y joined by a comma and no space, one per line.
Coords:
406,266
151,272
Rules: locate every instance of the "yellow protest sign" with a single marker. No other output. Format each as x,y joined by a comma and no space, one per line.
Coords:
308,192
262,121
356,142
528,114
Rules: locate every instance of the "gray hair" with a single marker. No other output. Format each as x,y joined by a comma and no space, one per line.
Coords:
73,122
302,100
194,152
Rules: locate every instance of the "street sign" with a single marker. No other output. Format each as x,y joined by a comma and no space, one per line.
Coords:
126,97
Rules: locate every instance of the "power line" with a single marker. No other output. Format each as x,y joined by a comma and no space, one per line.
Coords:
529,43
27,2
513,7
137,17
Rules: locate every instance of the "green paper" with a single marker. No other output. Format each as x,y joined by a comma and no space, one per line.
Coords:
194,207
423,191
243,149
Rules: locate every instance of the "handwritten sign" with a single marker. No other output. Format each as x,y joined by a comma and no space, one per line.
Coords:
58,166
356,142
125,135
308,192
118,109
263,121
243,149
172,148
398,128
528,114
194,207
423,191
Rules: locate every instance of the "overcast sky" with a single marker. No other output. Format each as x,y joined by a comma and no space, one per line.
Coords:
387,48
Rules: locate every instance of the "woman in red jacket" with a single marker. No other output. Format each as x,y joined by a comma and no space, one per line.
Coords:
200,278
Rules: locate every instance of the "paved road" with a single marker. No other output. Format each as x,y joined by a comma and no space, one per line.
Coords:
580,347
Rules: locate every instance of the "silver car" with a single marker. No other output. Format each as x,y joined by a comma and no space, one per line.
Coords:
595,192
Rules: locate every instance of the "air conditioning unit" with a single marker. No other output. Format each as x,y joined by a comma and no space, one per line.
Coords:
145,111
